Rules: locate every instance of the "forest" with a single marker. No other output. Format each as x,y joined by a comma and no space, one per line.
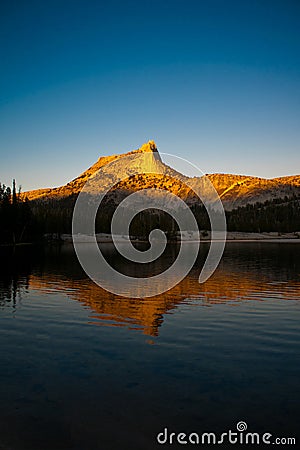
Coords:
23,221
17,223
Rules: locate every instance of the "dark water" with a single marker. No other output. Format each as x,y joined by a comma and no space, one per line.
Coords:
83,369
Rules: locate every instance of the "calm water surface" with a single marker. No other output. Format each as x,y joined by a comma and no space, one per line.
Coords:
83,369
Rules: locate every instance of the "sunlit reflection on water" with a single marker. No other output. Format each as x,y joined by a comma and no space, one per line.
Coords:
83,368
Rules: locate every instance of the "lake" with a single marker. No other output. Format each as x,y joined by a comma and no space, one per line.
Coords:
84,369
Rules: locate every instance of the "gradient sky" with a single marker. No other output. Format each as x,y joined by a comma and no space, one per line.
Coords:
216,82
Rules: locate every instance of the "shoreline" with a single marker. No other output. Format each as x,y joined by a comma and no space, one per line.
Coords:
186,237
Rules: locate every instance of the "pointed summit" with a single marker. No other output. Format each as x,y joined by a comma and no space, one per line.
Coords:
151,147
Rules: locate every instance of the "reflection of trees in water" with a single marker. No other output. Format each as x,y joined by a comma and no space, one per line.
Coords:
15,274
11,291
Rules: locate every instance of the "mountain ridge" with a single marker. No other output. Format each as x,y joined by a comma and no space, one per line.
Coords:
234,190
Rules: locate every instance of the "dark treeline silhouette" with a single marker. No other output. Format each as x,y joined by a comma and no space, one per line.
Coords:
24,221
277,215
54,216
17,222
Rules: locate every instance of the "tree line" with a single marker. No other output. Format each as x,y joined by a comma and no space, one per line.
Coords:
28,221
17,223
280,215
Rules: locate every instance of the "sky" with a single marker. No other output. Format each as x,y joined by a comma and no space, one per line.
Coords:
215,82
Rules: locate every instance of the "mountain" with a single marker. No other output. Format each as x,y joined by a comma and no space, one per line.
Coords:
154,164
240,190
234,190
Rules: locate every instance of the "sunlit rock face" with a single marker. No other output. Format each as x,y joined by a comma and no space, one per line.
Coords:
234,190
151,147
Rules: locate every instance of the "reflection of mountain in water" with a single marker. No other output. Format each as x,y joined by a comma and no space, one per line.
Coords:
246,272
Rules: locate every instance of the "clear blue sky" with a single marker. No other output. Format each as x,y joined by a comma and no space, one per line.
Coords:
216,82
